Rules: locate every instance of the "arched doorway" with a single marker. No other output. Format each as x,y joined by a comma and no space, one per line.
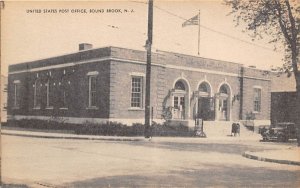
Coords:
180,98
223,105
205,102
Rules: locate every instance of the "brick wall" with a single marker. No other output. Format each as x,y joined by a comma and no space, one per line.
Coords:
23,107
77,91
120,90
255,78
163,80
63,59
169,58
114,83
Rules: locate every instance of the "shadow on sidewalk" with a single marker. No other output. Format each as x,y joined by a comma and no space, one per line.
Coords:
207,176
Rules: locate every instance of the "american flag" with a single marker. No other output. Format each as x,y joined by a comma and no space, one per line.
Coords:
193,21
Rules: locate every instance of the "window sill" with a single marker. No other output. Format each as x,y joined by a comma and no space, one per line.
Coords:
37,108
92,108
135,109
49,108
64,108
15,108
178,119
256,112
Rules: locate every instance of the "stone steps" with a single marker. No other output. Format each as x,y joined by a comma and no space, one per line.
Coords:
223,129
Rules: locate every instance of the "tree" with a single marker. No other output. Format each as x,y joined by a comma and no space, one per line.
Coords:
280,20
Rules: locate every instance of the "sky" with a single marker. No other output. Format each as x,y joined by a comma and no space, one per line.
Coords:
28,33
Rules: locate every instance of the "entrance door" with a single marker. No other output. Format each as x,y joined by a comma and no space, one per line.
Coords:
206,108
223,109
179,107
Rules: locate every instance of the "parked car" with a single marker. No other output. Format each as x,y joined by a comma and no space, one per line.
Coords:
281,132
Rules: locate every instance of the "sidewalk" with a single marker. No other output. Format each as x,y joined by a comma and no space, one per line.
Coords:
290,155
67,136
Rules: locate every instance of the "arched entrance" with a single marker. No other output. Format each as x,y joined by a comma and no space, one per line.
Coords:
205,102
223,103
180,100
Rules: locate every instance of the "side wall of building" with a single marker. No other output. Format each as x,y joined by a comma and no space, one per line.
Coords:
74,80
255,79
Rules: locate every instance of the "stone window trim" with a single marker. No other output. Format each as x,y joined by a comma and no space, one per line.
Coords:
257,87
135,109
92,73
137,74
63,108
92,108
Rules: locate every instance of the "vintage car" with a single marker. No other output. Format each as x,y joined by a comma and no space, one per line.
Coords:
281,132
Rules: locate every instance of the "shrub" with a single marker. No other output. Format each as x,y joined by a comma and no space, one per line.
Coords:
105,129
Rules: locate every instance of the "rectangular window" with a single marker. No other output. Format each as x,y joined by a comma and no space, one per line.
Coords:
16,95
64,93
136,92
92,91
182,103
257,99
64,99
49,90
176,102
37,95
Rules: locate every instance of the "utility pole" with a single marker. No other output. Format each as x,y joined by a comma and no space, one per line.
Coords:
148,69
199,33
1,7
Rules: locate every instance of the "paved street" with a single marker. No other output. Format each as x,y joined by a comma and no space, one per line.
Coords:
161,162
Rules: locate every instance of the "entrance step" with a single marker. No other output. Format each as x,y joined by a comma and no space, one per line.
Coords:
223,129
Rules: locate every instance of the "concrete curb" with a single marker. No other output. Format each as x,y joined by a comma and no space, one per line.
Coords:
72,137
254,157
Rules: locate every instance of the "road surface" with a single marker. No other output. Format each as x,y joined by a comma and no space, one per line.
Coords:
161,162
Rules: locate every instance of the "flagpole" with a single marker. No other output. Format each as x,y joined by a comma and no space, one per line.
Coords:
199,33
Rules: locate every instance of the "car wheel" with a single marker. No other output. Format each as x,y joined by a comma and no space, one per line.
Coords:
281,138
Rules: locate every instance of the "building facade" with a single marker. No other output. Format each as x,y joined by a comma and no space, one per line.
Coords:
108,84
283,98
3,100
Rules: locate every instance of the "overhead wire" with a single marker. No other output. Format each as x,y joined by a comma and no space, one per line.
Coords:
207,28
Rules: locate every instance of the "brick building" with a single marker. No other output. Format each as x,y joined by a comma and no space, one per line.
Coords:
283,98
3,97
108,84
